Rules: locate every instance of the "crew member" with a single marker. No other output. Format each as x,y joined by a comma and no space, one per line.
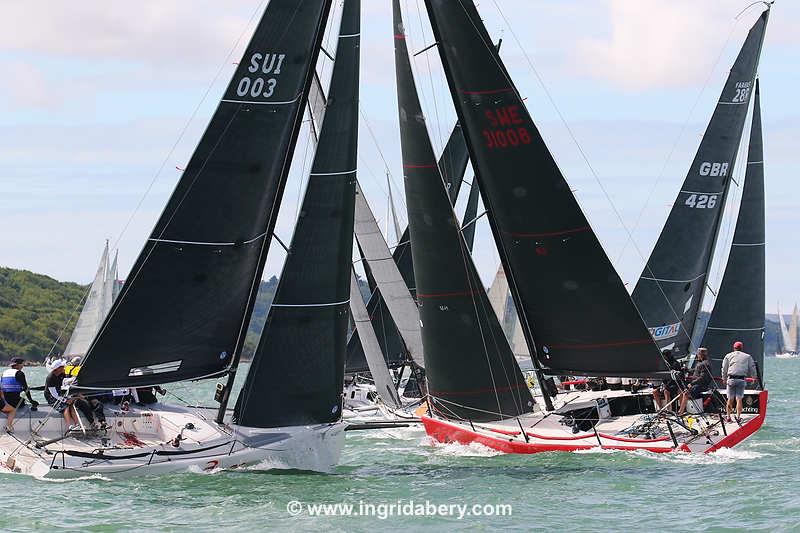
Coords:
700,381
73,367
670,386
13,384
736,368
56,398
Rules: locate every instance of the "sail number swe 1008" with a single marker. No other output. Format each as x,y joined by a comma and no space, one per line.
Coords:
505,128
701,201
261,86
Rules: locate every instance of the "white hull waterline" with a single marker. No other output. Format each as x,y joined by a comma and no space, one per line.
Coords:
163,439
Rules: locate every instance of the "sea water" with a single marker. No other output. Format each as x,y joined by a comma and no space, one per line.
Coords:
398,479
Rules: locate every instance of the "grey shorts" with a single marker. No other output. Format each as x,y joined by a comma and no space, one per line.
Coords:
736,388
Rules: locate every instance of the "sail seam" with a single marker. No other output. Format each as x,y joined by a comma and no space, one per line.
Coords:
349,35
313,305
732,103
702,192
748,244
755,162
447,294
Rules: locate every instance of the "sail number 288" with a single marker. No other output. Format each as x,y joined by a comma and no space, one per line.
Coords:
258,85
701,201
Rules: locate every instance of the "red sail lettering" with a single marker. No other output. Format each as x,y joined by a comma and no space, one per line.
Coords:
492,119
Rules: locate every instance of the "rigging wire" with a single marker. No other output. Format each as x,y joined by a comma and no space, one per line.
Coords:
591,167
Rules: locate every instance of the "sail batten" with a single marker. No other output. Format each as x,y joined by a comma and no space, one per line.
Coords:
297,373
190,303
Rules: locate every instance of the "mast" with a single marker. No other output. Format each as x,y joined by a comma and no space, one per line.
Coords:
669,291
576,314
183,312
297,373
470,370
738,313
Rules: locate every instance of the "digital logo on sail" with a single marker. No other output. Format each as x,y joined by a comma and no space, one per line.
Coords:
665,332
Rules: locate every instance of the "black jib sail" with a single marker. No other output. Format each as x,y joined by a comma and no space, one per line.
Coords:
184,309
669,292
297,373
738,313
470,369
576,315
452,164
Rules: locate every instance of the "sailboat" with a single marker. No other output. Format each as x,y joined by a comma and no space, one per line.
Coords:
788,341
574,310
102,293
183,312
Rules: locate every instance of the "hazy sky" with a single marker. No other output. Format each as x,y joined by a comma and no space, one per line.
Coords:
95,95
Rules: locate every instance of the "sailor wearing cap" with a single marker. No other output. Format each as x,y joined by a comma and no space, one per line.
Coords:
13,384
736,368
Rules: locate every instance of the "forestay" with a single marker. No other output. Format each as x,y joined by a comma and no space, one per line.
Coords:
669,291
183,311
575,311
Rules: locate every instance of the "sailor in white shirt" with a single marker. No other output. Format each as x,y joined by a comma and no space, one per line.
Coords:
736,368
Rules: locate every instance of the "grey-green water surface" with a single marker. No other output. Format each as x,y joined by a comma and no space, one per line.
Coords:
753,487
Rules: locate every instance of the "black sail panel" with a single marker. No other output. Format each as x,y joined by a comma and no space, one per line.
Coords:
669,291
470,369
738,313
452,164
577,315
184,308
297,373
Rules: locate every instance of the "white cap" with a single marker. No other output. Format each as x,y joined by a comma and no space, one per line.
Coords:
56,364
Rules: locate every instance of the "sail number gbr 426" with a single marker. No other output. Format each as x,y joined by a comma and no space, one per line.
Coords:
265,69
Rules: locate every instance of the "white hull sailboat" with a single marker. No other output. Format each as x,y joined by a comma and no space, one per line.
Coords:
163,438
183,312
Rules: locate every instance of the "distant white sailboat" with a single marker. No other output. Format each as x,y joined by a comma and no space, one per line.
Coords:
789,335
101,296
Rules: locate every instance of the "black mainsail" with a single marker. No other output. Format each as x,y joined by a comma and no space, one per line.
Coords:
183,311
669,291
297,373
470,370
575,313
738,313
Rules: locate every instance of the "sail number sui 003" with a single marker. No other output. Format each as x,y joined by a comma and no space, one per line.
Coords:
258,85
505,128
